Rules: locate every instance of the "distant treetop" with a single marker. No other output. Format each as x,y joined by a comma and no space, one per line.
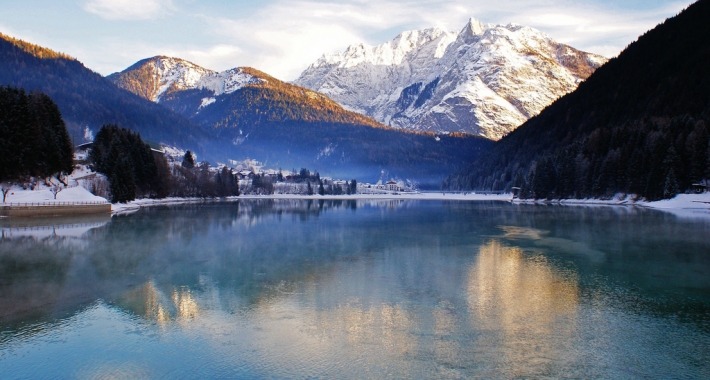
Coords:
36,50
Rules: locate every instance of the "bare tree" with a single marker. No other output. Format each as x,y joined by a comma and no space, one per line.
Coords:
55,189
5,188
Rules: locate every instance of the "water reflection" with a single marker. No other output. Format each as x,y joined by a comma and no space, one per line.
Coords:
527,306
509,287
334,289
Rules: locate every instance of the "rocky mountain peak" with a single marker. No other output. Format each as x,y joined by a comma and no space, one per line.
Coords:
472,28
153,78
485,79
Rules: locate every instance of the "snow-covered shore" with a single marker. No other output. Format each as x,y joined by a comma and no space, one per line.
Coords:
682,204
69,195
680,201
121,208
697,205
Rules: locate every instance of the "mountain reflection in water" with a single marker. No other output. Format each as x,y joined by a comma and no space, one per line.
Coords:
357,289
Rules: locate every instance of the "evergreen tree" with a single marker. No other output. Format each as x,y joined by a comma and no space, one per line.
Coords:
188,161
164,178
33,138
122,182
670,187
117,150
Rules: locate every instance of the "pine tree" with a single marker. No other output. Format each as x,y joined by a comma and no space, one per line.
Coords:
123,187
188,162
114,147
670,187
33,137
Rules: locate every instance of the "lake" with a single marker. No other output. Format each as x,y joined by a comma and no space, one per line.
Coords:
357,289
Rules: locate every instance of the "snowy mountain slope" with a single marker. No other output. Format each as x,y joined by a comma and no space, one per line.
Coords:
153,78
485,79
212,98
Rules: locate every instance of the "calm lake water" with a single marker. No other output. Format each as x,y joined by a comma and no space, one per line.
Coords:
400,289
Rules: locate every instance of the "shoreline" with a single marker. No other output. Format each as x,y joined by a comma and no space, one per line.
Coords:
120,208
682,204
686,205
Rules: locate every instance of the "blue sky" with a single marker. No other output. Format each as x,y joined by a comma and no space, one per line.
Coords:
282,37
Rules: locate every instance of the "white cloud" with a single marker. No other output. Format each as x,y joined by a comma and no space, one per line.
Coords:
282,37
285,37
128,9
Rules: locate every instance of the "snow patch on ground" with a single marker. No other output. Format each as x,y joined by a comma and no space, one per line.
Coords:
682,205
683,201
326,152
44,195
206,102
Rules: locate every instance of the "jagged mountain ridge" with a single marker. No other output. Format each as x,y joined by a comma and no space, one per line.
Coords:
201,94
485,79
153,78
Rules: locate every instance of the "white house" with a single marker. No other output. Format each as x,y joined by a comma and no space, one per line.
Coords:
393,186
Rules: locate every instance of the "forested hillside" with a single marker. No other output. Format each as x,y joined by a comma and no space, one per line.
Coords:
258,116
85,98
638,125
269,100
291,126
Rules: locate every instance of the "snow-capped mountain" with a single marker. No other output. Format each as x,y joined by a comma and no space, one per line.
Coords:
153,78
485,79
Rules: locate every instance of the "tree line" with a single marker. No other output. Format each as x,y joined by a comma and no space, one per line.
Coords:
134,169
657,159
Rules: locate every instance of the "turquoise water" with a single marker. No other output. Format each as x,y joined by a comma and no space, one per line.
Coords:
396,289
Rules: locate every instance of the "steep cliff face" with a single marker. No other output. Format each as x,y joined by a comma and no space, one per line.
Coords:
485,79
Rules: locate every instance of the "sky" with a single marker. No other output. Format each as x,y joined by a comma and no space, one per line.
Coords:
283,37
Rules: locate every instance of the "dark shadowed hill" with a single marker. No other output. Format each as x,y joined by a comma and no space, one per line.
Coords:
85,98
638,125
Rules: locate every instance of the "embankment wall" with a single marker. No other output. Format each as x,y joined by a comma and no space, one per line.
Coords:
25,211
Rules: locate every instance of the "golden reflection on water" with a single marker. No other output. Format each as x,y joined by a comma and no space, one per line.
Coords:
387,325
185,304
152,304
523,299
